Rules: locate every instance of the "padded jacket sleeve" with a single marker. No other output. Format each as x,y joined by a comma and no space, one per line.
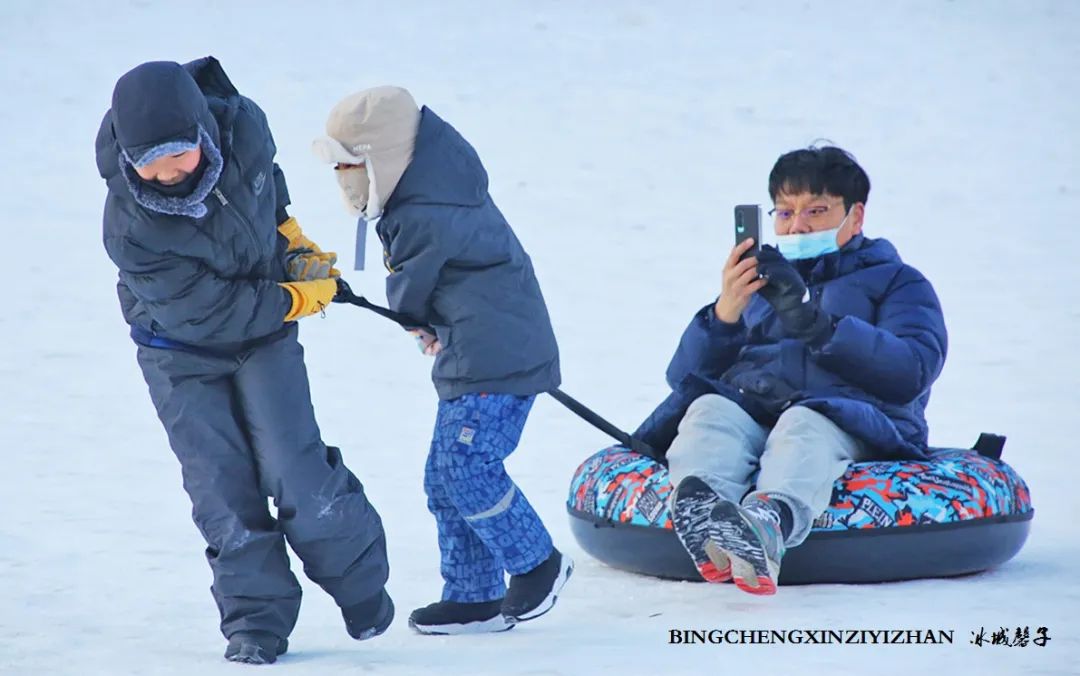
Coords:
899,357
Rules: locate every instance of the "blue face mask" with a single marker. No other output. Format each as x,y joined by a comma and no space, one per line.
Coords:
810,244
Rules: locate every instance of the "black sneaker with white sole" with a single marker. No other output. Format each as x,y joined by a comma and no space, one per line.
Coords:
532,594
255,647
452,617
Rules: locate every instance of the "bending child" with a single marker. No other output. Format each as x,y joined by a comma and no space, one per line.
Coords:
456,267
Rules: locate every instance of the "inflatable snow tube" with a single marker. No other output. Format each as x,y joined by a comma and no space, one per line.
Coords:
957,513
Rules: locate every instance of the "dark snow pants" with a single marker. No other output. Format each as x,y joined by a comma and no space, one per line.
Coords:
244,430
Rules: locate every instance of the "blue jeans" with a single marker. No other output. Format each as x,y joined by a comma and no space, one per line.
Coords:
485,524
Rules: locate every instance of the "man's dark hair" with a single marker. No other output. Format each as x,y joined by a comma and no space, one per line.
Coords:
820,170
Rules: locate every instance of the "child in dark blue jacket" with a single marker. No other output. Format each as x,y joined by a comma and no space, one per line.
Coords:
455,266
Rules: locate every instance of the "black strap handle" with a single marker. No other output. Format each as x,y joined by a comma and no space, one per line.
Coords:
990,445
594,419
345,295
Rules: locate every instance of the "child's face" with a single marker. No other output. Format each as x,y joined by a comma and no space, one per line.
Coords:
353,179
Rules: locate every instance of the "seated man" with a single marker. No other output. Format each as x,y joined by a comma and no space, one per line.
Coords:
814,356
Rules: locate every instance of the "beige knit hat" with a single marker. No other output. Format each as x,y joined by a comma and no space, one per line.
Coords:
377,128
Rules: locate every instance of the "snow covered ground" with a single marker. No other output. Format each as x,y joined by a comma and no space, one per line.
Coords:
618,136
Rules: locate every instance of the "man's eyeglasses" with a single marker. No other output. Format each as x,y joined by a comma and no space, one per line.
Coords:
815,214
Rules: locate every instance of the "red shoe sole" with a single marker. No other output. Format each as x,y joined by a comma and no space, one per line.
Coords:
764,587
709,572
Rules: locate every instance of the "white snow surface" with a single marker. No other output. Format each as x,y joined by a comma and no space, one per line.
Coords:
618,136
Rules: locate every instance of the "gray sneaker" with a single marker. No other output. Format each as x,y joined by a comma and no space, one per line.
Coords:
691,507
750,536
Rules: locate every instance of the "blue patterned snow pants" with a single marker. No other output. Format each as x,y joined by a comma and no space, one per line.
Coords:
486,526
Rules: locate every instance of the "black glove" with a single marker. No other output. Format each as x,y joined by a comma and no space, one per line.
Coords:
344,293
785,292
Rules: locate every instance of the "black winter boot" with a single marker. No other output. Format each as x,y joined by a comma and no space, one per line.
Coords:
452,617
369,618
532,594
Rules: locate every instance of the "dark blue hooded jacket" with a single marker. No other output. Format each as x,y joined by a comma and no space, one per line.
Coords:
209,281
456,266
872,378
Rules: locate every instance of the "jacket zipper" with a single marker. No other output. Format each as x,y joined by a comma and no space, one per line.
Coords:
385,251
248,228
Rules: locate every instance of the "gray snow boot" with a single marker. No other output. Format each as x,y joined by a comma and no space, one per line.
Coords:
255,647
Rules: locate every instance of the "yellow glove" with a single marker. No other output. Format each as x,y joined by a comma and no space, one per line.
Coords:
298,240
309,297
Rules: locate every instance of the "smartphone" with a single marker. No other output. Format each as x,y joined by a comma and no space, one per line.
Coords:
748,224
